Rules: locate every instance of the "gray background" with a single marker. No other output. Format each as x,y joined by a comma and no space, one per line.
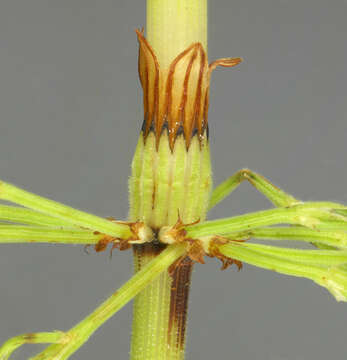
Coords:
70,112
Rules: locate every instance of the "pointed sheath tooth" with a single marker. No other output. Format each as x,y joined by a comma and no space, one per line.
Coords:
171,170
174,98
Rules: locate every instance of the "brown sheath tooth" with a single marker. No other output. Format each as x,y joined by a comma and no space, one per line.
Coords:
176,98
149,78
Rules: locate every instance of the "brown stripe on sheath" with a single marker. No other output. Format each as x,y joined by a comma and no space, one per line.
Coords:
204,121
196,124
158,87
187,128
179,302
154,193
149,114
165,109
144,251
174,124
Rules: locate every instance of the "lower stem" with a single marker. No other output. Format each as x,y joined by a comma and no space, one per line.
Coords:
160,310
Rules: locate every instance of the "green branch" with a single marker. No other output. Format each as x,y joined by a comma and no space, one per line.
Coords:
66,213
297,233
332,278
28,234
38,338
79,334
277,196
308,215
307,257
30,217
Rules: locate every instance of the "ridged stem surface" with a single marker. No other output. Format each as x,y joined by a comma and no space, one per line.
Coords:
173,25
160,310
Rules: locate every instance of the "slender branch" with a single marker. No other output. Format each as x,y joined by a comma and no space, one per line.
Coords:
28,234
30,338
307,257
333,278
21,215
331,238
341,212
324,205
79,334
68,214
297,215
277,196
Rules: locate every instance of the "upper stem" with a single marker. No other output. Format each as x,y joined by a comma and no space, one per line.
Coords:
173,25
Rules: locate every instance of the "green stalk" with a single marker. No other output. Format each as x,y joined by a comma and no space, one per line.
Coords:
20,215
10,234
173,25
330,239
30,338
313,218
171,173
333,278
68,215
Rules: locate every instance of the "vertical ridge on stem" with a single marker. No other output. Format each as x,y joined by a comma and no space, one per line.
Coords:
173,25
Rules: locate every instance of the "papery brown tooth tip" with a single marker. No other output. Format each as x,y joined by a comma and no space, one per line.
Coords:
174,98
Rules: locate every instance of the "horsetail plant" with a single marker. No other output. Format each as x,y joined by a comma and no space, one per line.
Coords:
170,194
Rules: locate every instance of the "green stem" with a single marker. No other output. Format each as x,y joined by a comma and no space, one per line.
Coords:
160,310
173,25
171,173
